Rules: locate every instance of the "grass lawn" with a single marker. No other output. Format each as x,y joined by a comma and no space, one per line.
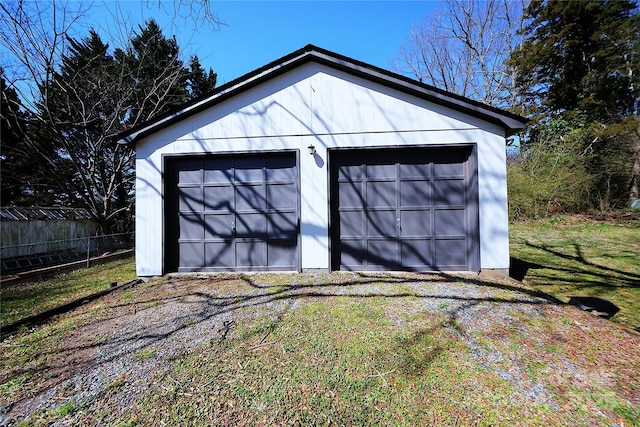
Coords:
326,349
28,298
569,256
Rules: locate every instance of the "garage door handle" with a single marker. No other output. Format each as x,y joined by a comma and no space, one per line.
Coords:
399,223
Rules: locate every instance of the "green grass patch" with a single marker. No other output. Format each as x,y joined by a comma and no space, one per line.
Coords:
48,417
13,385
573,256
117,382
66,409
26,299
145,354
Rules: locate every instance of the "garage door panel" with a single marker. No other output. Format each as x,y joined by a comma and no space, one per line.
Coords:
249,169
281,253
416,253
352,224
352,253
218,198
250,197
443,170
350,172
382,253
191,255
218,170
381,223
449,192
350,195
451,253
281,169
219,253
282,224
191,226
251,225
450,222
414,170
190,172
281,196
218,226
190,199
381,171
381,193
415,193
251,253
415,223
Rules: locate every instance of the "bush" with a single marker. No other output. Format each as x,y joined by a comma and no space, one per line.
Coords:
547,179
570,166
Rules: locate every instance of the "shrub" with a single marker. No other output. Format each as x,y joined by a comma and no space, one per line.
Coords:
547,179
570,166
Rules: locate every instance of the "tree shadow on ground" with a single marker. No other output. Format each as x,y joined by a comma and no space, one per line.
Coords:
574,268
215,307
569,274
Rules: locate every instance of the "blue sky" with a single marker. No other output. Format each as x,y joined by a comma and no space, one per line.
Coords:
258,32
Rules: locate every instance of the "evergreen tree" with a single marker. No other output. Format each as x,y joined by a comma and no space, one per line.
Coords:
201,82
13,167
156,75
580,56
579,66
23,182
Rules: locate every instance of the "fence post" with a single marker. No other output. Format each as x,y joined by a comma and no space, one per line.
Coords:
88,250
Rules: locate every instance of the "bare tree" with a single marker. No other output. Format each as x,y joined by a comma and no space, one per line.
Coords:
198,11
79,95
63,138
463,47
35,35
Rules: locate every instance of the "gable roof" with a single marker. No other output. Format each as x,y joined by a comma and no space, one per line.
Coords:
310,53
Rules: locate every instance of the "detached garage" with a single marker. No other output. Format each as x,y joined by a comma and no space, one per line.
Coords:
318,162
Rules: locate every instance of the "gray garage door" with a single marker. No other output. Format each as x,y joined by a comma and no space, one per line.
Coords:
411,209
232,213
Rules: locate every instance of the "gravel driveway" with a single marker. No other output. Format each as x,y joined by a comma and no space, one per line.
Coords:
86,354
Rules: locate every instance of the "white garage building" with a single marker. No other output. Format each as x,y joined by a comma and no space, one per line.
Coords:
321,162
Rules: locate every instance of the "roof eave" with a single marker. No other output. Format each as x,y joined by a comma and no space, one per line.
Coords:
512,123
244,82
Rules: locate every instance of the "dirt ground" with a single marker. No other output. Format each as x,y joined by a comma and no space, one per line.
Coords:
100,353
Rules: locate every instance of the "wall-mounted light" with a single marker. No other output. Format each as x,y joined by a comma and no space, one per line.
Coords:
312,150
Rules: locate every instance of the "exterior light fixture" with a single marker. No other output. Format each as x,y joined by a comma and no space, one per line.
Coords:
312,150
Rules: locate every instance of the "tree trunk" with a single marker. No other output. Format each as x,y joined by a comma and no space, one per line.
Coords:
634,190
